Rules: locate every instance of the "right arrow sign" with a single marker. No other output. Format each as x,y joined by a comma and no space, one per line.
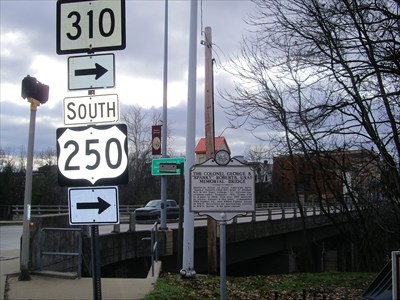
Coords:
91,72
98,70
97,205
101,205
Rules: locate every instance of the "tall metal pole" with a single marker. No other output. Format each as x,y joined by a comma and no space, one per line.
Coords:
24,262
165,124
188,225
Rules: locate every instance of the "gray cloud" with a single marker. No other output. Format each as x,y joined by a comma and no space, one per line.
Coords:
35,22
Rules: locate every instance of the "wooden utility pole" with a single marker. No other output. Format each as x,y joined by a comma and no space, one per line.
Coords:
210,149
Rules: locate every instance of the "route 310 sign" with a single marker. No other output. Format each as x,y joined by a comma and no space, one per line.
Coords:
86,26
92,155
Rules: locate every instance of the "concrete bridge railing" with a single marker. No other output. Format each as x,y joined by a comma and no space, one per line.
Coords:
118,246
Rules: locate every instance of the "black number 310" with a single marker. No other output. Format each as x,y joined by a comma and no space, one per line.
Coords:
77,21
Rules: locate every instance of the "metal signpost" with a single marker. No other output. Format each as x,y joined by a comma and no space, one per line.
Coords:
92,155
222,188
395,274
173,166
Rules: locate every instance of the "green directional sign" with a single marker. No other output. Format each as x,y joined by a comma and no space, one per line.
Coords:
166,166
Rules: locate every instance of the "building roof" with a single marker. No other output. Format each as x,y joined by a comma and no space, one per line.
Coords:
219,143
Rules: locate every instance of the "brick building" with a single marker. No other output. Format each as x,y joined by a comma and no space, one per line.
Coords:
328,176
220,143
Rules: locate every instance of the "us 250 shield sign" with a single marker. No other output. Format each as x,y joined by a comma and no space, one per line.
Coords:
92,155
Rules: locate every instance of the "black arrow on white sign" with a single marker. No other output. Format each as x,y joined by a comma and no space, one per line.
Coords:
98,70
101,205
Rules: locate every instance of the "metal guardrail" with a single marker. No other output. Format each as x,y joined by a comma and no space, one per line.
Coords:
61,209
153,246
128,208
54,253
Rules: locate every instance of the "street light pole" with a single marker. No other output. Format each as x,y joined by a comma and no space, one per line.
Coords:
188,225
164,131
24,275
37,93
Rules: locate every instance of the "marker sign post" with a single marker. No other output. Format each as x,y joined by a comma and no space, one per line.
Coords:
216,189
222,192
91,155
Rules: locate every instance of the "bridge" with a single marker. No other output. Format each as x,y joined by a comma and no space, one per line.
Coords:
273,230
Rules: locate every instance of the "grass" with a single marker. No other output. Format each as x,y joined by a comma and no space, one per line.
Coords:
291,286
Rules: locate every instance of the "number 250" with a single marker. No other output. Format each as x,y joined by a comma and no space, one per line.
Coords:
76,17
90,151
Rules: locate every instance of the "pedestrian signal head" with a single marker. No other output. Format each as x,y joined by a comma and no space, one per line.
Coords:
32,88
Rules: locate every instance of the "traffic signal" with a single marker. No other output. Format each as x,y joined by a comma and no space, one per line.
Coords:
34,89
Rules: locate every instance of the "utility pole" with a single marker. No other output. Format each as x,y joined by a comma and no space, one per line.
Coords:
210,148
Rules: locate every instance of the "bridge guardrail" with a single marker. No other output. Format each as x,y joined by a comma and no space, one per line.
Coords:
18,210
153,246
126,210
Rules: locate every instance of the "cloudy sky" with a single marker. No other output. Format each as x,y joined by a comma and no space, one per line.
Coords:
28,46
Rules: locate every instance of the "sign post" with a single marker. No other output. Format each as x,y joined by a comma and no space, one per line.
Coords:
395,274
92,156
96,266
222,188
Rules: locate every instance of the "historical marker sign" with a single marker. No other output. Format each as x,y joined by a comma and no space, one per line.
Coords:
92,155
93,205
87,26
91,72
91,109
217,189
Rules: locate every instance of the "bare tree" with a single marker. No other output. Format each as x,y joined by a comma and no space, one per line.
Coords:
139,122
47,157
321,77
12,175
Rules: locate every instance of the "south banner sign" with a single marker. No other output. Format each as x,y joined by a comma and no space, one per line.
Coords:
91,109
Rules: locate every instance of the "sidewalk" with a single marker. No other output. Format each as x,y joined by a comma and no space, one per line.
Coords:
44,287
